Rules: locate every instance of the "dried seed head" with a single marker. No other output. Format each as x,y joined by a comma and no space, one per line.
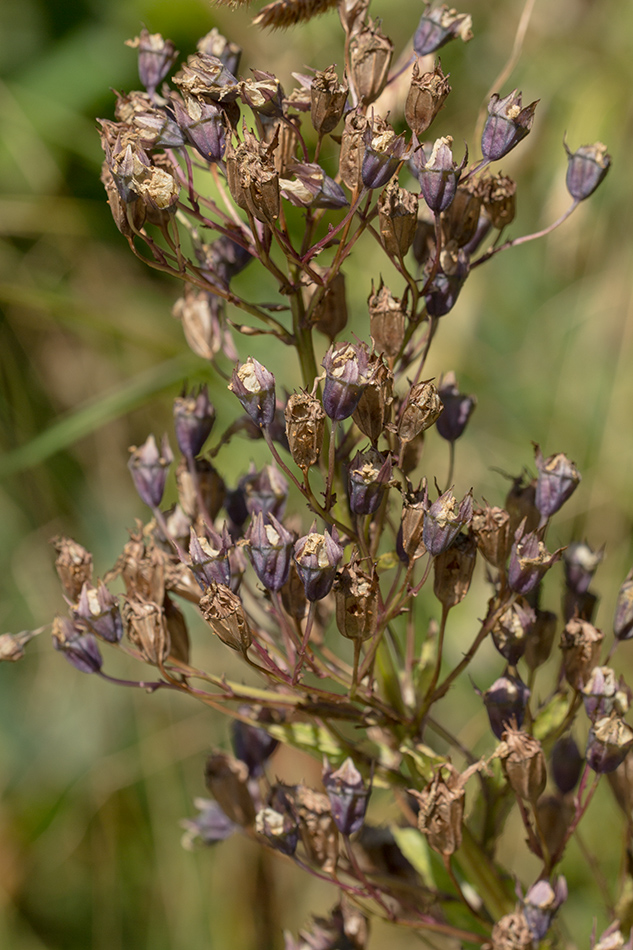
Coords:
353,149
305,425
580,643
348,796
317,828
263,94
498,196
146,627
506,702
201,315
205,76
252,744
386,318
223,611
623,620
491,527
611,939
609,742
265,491
73,565
513,629
398,216
422,408
312,188
412,523
346,376
98,611
317,557
460,219
211,486
374,408
253,179
368,478
254,386
156,56
444,520
227,780
329,313
442,810
177,628
555,815
529,561
203,124
370,53
284,13
270,550
210,558
453,571
457,408
523,764
328,97
566,764
356,595
557,479
80,649
520,504
512,933
293,595
426,96
586,168
446,286
438,26
507,124
12,644
214,44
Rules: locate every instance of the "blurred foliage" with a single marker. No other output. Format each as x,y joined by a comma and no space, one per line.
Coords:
93,780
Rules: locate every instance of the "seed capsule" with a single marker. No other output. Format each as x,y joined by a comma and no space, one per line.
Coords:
586,168
348,796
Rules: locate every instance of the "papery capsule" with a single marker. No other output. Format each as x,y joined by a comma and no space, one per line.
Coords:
305,426
73,565
346,375
580,563
156,56
523,764
491,527
368,478
224,612
80,649
384,152
317,557
194,416
398,217
146,627
98,610
203,124
280,829
529,561
609,742
506,702
348,796
265,491
374,407
252,744
270,550
604,694
441,811
443,291
426,96
507,124
541,903
254,386
566,764
586,168
227,780
511,932
453,571
214,44
512,631
457,408
557,479
421,410
370,53
444,520
438,174
312,188
438,26
210,558
356,594
328,98
580,645
149,468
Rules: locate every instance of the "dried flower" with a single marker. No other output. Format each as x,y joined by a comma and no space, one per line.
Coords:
609,742
506,702
529,561
422,408
305,425
438,174
523,764
491,527
149,469
224,612
370,53
442,810
254,386
348,796
513,630
398,216
194,416
98,610
438,26
73,565
368,478
156,56
270,550
227,780
317,557
211,825
328,97
580,643
507,124
541,904
586,169
280,829
384,152
80,649
426,96
356,595
346,375
557,479
444,520
453,571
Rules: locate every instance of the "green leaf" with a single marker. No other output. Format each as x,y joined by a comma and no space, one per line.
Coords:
414,847
551,717
310,738
423,758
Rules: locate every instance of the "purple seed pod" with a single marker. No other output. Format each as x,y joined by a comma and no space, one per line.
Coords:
193,420
580,563
604,694
438,26
203,125
348,796
80,649
265,491
270,550
507,124
566,764
210,558
557,480
346,368
98,610
608,744
312,188
506,702
279,828
156,56
540,905
211,825
529,561
446,286
586,168
438,175
251,744
458,408
214,44
149,469
384,151
444,519
254,386
368,478
512,630
317,557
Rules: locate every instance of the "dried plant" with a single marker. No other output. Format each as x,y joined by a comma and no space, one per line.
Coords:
347,450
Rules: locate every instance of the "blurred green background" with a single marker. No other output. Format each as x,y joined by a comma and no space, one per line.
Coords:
93,780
